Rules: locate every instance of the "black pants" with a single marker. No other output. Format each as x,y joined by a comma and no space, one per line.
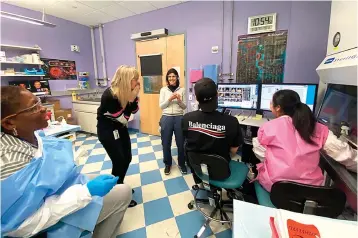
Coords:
119,150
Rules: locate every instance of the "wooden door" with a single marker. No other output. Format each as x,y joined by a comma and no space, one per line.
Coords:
150,111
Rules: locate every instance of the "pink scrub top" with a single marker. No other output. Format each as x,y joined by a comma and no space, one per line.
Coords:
288,157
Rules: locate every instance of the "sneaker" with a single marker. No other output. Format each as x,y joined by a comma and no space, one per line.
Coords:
183,169
132,203
167,170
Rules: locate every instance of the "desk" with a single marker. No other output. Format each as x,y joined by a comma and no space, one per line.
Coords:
252,221
251,121
345,180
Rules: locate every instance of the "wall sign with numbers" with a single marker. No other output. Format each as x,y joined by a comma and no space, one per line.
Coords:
262,23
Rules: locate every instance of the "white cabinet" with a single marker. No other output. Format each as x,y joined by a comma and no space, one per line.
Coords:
87,121
86,115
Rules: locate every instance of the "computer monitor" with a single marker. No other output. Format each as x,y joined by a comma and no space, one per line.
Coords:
37,87
307,93
40,87
23,84
238,96
339,107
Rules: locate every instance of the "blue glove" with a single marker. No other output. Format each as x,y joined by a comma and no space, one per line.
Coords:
101,185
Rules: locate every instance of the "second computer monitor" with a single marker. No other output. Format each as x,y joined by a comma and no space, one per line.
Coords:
240,96
307,93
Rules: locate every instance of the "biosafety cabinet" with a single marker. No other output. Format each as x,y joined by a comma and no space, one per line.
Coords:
340,64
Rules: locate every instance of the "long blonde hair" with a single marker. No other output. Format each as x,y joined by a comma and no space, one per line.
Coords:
121,83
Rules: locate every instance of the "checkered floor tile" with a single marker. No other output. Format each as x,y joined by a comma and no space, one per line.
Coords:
162,200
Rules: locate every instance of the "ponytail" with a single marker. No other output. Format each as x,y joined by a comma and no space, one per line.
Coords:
304,122
302,117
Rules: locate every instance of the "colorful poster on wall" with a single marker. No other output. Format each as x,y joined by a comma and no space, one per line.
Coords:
261,57
59,69
152,84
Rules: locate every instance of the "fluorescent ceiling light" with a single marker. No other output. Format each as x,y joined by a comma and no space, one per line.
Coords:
26,19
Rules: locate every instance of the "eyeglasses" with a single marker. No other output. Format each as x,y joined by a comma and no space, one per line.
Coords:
37,107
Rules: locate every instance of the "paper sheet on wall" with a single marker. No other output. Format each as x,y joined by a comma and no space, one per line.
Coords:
211,71
195,75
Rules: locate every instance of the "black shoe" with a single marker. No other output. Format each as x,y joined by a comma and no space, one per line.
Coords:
183,169
132,204
167,170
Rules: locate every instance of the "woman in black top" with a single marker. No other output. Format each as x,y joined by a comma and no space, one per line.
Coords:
118,102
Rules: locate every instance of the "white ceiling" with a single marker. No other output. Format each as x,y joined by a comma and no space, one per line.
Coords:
88,12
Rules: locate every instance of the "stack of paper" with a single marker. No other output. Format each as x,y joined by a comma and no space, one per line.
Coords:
287,224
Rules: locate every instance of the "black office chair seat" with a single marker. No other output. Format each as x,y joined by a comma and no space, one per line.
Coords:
308,199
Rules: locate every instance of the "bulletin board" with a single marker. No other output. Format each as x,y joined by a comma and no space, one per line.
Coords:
261,57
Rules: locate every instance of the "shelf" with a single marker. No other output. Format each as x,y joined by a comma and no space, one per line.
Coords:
10,62
22,75
20,47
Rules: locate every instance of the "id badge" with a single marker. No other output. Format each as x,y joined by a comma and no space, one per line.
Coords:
116,134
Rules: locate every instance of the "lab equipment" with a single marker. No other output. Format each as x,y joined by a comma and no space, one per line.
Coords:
101,185
339,111
242,96
307,93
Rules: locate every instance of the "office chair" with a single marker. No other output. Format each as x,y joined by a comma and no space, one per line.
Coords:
303,198
216,174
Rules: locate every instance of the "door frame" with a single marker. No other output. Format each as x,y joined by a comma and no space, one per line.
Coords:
185,69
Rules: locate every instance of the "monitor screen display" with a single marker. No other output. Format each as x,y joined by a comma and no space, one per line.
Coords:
23,84
307,93
340,107
40,87
37,87
240,96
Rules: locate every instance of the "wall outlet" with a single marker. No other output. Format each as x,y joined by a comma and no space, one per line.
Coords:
190,97
75,48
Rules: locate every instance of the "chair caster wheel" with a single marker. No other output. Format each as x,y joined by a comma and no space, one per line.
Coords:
191,205
195,187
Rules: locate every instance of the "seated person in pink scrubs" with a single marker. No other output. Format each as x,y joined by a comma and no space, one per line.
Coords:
289,145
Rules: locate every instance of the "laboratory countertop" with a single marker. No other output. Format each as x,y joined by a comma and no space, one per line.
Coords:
89,101
338,172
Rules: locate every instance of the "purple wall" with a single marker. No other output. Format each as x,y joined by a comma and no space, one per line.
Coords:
307,24
55,43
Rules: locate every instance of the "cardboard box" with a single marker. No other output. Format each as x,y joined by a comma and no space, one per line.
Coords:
62,112
56,104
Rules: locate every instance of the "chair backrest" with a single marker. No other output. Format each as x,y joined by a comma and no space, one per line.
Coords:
308,199
218,166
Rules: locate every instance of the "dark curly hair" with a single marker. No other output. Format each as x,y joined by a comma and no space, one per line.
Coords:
10,100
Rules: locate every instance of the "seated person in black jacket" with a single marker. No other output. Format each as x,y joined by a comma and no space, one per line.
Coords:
207,130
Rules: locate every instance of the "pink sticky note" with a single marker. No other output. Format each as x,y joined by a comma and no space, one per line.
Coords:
196,75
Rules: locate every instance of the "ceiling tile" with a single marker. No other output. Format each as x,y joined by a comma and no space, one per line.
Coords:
68,9
97,4
117,11
138,7
36,5
163,4
93,18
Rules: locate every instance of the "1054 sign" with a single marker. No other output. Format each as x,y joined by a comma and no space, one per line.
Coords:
262,23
